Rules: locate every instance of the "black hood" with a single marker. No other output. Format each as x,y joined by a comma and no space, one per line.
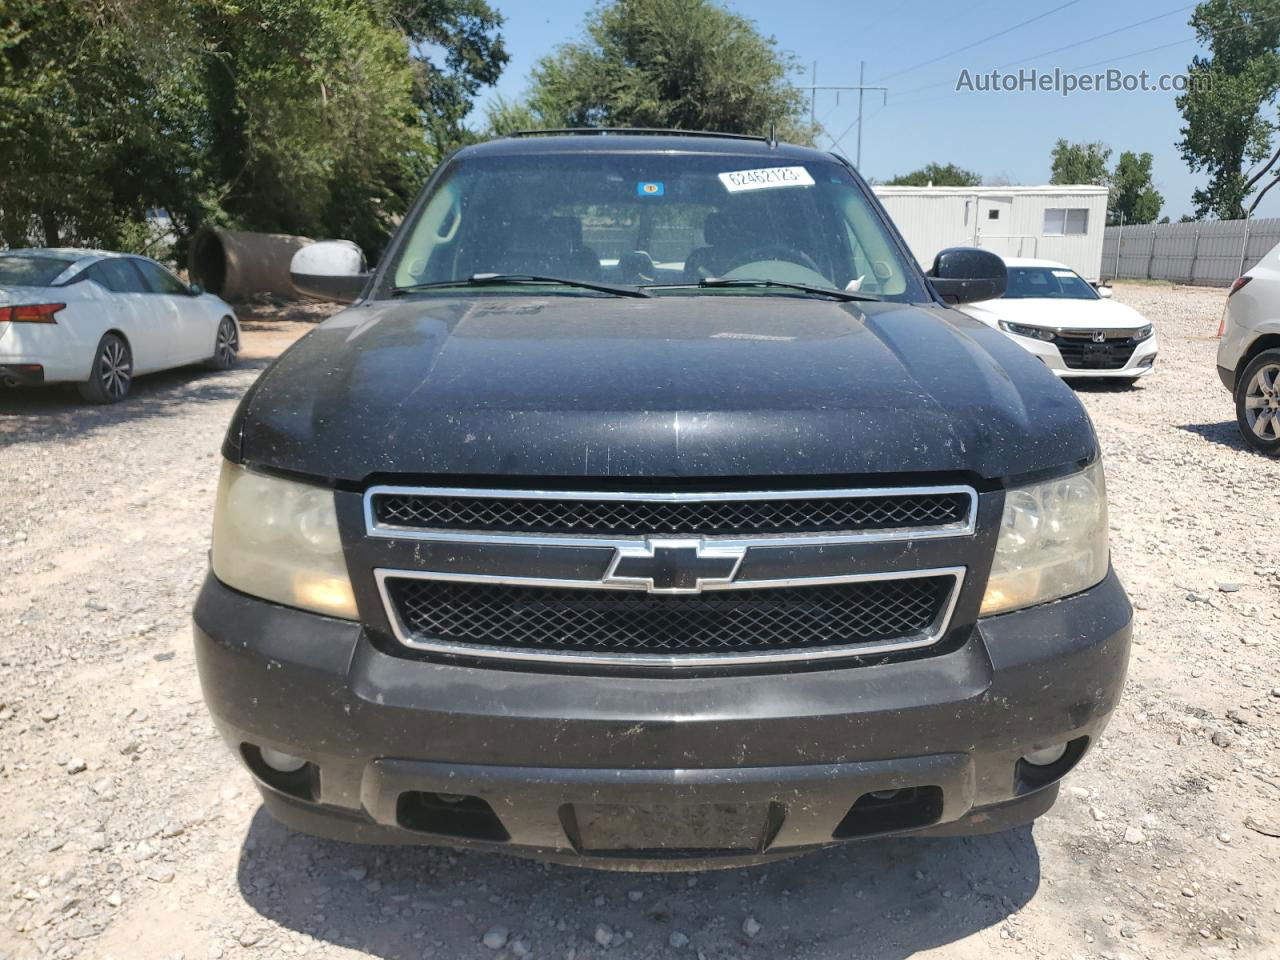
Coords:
677,387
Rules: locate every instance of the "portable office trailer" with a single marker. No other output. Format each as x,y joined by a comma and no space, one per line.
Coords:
1063,223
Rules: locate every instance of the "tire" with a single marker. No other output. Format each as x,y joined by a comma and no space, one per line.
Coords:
112,373
1258,403
227,346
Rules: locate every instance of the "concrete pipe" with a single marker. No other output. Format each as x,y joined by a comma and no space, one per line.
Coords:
237,265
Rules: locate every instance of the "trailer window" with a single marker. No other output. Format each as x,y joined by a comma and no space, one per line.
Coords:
1066,221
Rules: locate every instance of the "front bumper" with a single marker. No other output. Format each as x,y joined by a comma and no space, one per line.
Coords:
1141,363
657,772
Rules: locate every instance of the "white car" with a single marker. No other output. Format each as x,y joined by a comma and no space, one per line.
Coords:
99,319
1077,331
1249,353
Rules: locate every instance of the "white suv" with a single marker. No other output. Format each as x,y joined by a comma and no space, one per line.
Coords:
1249,353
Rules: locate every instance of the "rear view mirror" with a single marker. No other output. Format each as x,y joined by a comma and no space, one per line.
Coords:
966,274
195,289
1104,293
329,270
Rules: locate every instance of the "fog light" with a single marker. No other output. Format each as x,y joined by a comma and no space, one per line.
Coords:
884,794
1046,757
281,762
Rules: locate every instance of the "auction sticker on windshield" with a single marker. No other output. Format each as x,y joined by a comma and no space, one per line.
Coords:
768,178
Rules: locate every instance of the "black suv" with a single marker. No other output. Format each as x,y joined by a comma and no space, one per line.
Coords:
650,508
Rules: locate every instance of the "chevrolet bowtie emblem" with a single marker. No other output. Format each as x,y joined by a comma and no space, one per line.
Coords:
674,566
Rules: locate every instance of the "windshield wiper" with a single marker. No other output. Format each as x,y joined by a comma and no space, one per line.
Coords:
713,282
503,279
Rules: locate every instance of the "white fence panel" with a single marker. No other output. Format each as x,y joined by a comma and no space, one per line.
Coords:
1209,253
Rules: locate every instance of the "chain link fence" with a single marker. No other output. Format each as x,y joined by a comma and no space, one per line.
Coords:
1212,253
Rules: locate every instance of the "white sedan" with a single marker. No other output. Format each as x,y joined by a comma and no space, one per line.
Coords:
1077,331
99,319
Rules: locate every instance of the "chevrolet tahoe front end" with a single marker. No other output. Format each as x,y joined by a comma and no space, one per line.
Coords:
666,579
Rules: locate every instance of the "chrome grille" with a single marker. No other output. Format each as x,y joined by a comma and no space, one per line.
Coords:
1111,354
518,619
665,578
754,515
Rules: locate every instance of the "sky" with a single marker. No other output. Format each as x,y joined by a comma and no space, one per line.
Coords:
918,48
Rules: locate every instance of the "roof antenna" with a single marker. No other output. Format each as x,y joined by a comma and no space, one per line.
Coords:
773,135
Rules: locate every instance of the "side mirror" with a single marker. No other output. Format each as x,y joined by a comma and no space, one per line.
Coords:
195,289
966,274
329,270
1104,293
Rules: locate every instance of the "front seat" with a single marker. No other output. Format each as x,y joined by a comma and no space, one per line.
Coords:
703,261
551,246
727,234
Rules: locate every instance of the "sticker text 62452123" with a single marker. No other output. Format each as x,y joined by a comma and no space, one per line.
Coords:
768,178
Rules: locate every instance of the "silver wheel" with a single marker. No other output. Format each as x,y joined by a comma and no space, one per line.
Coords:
228,343
1262,402
115,368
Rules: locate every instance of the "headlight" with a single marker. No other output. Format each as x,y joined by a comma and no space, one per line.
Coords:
1022,330
1052,543
1143,332
278,540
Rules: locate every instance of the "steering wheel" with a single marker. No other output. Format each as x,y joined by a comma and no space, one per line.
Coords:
775,251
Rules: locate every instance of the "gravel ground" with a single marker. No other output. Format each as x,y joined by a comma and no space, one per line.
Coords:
129,832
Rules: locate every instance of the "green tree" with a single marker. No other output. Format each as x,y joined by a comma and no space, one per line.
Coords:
455,49
317,117
505,117
938,174
308,119
1225,125
1080,163
1133,196
325,116
88,141
681,64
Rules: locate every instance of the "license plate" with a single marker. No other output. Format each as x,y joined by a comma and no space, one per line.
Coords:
608,827
1097,352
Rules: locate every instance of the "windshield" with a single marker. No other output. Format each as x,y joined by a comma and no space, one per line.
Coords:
21,271
654,219
1055,283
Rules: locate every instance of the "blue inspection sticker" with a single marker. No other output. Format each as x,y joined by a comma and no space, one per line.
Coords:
650,188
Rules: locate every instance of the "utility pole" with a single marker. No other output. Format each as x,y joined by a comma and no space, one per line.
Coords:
861,89
813,96
1119,242
1244,246
862,77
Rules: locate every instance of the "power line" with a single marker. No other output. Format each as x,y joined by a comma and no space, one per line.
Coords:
1136,53
835,141
860,87
1101,36
1097,63
1165,46
980,41
1069,46
1087,66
